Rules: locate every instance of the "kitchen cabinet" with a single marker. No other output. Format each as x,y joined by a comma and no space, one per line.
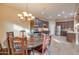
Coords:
71,37
37,27
65,26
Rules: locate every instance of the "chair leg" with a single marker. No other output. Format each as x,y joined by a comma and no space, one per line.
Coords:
33,52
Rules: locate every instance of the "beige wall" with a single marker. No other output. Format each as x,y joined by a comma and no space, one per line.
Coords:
8,17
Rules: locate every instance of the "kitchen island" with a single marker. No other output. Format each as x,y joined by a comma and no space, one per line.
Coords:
73,36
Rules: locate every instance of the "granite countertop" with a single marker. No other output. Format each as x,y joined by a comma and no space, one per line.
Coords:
73,32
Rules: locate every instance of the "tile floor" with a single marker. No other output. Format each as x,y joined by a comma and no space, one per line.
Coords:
59,46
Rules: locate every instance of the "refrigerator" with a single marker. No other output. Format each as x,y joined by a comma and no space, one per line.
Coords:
58,30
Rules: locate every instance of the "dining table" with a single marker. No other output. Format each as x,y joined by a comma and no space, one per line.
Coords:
36,43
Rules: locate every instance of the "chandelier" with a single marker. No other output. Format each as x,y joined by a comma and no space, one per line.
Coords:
25,16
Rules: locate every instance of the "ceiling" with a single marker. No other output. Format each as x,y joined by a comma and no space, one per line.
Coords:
19,6
47,10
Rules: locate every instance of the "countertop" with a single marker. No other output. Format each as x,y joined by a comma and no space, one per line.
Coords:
73,32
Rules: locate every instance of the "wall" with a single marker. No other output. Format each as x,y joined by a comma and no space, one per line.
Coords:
8,17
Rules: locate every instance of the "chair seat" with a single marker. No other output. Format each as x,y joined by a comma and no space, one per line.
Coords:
39,50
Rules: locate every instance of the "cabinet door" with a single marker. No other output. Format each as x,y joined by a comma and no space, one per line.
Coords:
70,24
65,25
57,23
71,37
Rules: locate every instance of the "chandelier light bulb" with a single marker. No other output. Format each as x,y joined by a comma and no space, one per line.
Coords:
19,15
29,19
33,17
30,14
25,14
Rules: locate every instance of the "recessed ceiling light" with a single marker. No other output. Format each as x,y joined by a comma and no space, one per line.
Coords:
63,12
71,14
50,17
58,15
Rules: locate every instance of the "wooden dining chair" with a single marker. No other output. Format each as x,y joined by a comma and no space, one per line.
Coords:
0,47
10,37
13,41
44,47
24,42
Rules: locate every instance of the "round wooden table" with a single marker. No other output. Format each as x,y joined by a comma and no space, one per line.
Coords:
33,44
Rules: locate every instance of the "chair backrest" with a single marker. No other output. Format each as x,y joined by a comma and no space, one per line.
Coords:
0,47
20,45
24,42
46,41
10,37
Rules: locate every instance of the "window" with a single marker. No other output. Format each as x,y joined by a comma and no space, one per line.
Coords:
18,28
